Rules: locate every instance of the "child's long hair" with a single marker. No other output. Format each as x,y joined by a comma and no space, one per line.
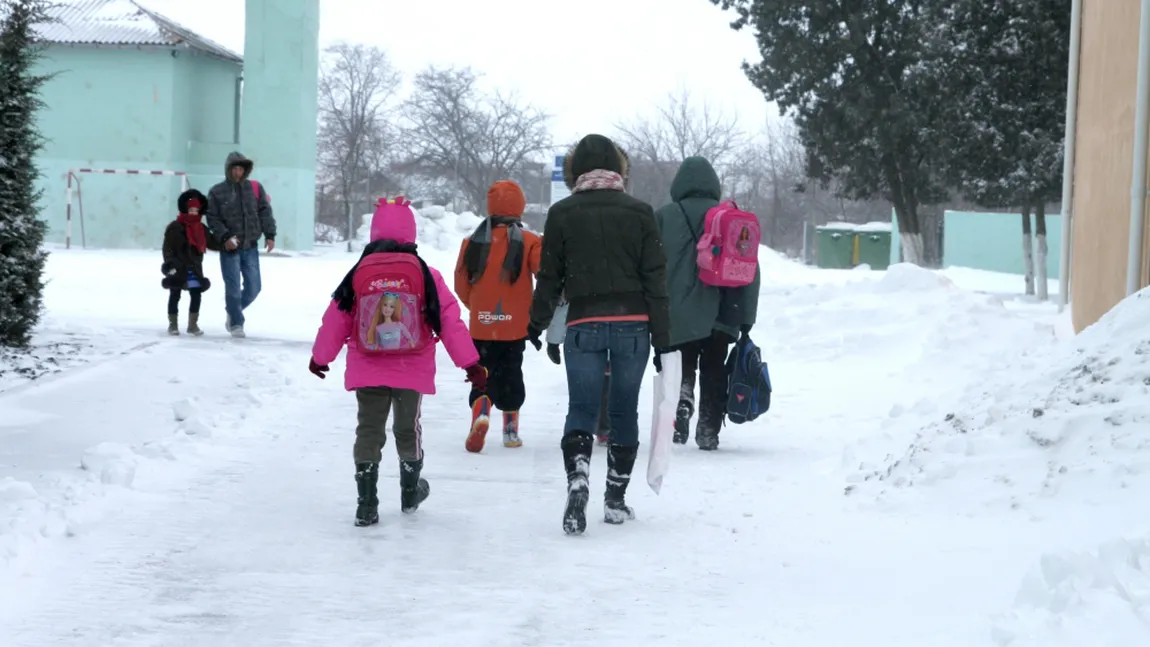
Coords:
377,318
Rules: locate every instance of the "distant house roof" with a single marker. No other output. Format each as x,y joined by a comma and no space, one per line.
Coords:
123,23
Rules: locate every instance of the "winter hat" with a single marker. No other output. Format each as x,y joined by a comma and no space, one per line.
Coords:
594,153
393,220
194,203
505,198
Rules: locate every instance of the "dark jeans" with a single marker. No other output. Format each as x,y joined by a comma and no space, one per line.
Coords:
709,357
241,264
504,363
174,301
587,350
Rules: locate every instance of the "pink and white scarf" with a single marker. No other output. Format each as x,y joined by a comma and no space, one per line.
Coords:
599,179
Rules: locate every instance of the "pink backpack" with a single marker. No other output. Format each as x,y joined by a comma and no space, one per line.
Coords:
256,188
728,250
389,294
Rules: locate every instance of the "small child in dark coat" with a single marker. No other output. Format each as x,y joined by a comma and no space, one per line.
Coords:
185,242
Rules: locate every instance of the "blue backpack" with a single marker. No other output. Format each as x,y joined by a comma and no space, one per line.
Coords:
749,387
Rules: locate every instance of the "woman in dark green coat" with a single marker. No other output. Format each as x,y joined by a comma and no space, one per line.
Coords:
705,319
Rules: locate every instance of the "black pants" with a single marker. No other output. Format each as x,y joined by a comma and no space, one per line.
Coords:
709,357
504,363
174,301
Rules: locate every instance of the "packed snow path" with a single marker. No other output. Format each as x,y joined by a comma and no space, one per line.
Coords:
238,530
752,542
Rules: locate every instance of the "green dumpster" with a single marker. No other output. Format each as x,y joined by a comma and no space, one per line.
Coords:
836,246
873,245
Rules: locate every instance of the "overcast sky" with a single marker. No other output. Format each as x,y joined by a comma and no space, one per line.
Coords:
590,64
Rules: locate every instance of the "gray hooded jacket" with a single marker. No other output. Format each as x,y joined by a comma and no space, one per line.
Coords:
234,209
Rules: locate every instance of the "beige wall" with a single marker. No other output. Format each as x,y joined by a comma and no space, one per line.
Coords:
1105,132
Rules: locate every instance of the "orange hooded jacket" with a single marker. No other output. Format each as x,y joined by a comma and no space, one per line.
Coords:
500,311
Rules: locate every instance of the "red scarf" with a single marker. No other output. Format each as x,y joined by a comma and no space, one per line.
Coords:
197,236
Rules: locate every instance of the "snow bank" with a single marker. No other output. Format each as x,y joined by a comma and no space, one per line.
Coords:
1099,598
1067,420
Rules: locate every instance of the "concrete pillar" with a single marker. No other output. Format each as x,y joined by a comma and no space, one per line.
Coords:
278,114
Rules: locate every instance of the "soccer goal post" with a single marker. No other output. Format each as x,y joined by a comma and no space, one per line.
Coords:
75,187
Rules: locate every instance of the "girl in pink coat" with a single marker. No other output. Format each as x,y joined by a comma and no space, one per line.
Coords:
388,377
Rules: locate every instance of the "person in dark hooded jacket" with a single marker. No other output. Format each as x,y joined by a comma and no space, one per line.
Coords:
185,242
239,212
705,319
601,247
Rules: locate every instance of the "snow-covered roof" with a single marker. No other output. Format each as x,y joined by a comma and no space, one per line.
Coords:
876,225
120,23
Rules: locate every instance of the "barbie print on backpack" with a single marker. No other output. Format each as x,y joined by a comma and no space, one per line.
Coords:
390,311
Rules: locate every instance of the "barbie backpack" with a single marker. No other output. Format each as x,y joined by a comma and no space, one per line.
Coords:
728,250
389,305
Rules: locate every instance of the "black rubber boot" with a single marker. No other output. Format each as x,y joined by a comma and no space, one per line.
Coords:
366,481
577,461
683,421
707,432
413,490
620,462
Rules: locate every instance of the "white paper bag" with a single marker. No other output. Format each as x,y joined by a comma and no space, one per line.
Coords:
666,401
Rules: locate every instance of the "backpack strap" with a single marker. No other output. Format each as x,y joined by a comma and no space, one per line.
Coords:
687,219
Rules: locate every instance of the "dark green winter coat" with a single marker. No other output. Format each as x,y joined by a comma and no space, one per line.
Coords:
698,308
603,248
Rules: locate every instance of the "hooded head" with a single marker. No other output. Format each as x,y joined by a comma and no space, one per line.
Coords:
594,152
505,198
235,158
190,197
393,220
696,179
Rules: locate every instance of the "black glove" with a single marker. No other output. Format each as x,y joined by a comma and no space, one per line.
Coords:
318,370
658,361
166,268
553,353
533,335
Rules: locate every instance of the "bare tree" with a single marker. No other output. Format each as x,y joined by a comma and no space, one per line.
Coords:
679,129
456,130
357,91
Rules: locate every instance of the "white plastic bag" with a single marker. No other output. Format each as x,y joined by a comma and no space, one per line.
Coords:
666,401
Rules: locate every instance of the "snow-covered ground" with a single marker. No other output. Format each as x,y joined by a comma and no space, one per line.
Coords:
943,465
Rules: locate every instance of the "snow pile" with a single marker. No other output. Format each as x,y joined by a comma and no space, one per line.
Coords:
47,357
438,228
1100,598
1068,420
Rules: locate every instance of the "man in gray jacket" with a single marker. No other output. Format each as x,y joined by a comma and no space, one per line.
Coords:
238,213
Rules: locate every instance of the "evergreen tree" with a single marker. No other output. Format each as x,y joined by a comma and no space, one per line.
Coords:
21,230
1007,94
856,76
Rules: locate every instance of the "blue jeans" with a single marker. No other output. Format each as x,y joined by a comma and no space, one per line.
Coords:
241,264
587,350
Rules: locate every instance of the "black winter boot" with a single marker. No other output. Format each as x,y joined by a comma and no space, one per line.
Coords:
366,480
683,421
620,462
413,490
577,461
707,432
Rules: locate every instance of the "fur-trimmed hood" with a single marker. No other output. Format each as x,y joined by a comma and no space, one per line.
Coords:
591,153
182,201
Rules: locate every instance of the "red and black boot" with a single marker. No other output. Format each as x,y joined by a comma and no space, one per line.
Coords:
480,423
511,429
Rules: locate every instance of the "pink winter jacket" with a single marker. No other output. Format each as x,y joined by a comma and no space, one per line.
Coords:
395,221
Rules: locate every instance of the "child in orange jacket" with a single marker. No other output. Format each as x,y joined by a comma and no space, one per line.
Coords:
494,279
